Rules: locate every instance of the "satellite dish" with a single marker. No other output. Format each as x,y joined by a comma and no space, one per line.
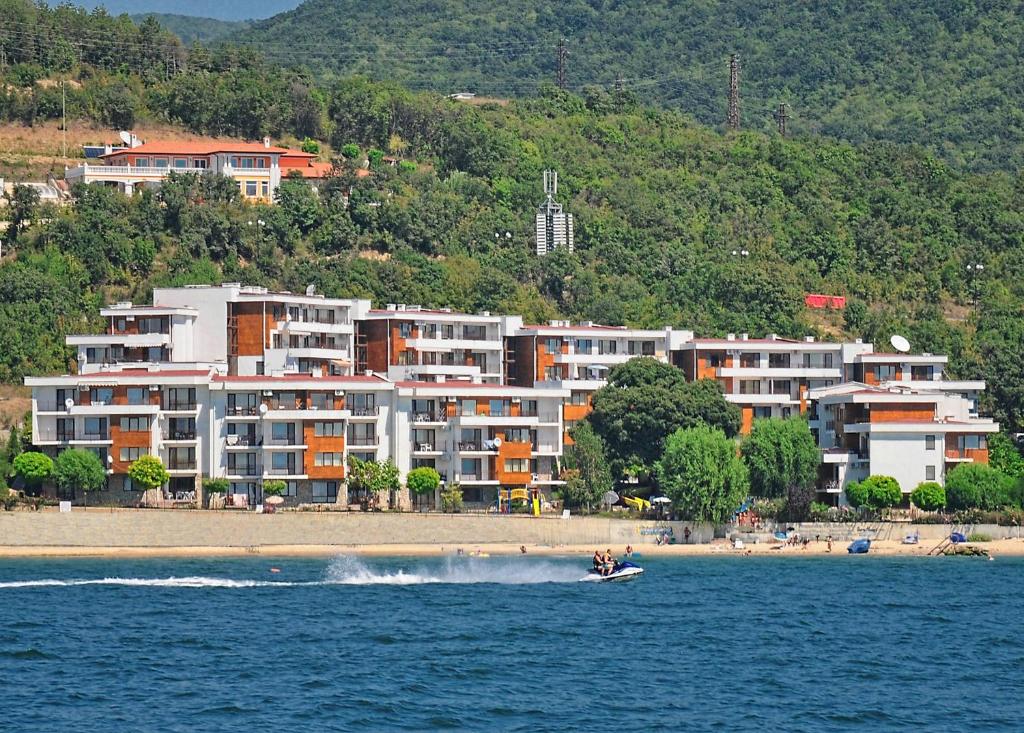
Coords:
126,137
900,343
609,498
69,403
497,442
263,408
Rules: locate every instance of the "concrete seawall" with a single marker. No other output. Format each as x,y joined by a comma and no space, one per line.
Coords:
101,528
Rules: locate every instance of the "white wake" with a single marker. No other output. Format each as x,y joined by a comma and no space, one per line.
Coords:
349,570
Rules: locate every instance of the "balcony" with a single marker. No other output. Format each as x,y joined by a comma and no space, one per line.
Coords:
429,417
93,437
180,406
242,411
967,455
427,448
364,440
371,411
179,435
181,465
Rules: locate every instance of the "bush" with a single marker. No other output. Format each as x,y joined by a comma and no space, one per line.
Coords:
423,480
882,491
148,472
275,487
406,166
349,151
310,146
451,499
857,494
929,496
979,537
977,486
375,157
34,468
216,486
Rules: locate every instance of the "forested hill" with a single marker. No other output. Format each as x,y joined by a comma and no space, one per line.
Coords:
191,29
943,74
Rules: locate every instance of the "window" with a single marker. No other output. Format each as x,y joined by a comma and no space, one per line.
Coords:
474,333
181,428
133,454
518,435
570,424
242,464
181,163
283,463
778,361
929,473
496,408
241,403
578,398
750,361
199,163
922,373
407,357
607,347
320,400
264,188
929,442
328,429
553,345
291,488
584,346
552,373
470,469
182,459
424,463
283,432
136,396
883,372
142,162
647,348
517,465
135,424
329,459
713,360
160,162
250,188
781,386
760,412
152,324
405,330
468,407
101,395
428,331
325,492
447,330
181,398
95,428
750,386
362,434
65,429
127,485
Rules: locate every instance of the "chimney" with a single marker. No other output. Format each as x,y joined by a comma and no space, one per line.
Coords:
730,337
809,339
744,337
266,142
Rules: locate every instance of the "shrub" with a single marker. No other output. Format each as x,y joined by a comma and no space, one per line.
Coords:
451,499
310,146
375,156
929,496
423,480
34,468
349,151
977,486
979,537
857,494
216,485
148,472
406,166
882,491
275,487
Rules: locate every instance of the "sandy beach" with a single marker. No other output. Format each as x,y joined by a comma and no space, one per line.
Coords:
996,548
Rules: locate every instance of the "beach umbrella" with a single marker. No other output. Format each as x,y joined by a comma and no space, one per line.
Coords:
274,500
661,500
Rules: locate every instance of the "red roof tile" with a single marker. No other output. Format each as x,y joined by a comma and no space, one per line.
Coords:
191,147
358,378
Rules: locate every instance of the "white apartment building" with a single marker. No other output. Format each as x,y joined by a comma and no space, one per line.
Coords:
408,342
911,434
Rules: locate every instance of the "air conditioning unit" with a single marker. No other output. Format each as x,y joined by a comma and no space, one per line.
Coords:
339,393
83,388
517,400
232,440
130,318
268,393
154,388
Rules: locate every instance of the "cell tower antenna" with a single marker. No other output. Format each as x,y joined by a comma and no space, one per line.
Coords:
733,119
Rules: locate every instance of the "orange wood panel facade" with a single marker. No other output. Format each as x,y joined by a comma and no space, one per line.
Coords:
511,450
376,345
871,374
746,419
253,328
545,359
125,439
320,444
902,413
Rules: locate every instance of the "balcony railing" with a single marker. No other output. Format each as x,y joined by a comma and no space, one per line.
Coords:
242,439
286,471
179,405
243,410
93,436
363,440
180,435
440,416
365,411
473,445
181,465
244,469
425,447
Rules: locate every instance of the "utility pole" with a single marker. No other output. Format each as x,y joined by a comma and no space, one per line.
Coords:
733,119
563,55
781,118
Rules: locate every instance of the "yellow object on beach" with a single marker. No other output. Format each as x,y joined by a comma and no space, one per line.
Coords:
637,503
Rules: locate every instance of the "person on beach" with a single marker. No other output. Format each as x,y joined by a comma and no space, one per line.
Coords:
629,550
522,549
830,543
686,535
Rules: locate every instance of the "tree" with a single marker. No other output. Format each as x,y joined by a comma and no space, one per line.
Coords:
78,469
148,472
451,499
14,443
977,486
423,481
22,205
702,474
350,151
33,468
645,401
929,496
274,487
586,456
1005,456
310,146
780,454
874,492
370,479
216,485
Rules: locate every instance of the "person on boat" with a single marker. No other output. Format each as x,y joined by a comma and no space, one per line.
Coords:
598,562
609,562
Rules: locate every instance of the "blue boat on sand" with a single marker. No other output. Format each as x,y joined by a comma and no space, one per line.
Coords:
859,547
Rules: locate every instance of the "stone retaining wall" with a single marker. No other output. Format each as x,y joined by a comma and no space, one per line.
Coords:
184,528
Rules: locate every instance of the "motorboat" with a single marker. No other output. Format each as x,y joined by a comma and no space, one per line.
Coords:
859,547
622,571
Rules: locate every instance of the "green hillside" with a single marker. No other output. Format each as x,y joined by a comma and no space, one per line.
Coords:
191,29
660,202
941,74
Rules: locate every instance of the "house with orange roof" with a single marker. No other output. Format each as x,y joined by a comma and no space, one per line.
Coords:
257,167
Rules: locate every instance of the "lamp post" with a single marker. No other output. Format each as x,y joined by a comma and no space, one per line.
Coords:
740,253
259,224
974,271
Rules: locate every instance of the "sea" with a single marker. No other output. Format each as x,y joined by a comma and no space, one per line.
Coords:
851,643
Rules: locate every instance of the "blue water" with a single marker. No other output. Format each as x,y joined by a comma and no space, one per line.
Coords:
511,644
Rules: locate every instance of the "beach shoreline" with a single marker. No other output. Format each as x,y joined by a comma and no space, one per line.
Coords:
885,548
